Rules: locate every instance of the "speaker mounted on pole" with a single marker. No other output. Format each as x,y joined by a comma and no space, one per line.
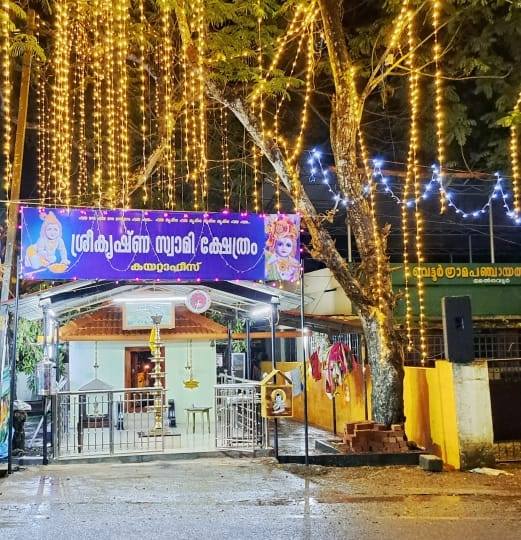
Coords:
458,335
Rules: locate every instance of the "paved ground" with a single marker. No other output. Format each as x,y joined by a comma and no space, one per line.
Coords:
250,499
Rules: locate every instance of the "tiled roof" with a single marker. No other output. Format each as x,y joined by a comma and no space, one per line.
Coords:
107,324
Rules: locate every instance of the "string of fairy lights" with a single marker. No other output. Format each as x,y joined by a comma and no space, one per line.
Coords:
438,99
168,95
514,159
90,108
301,27
90,104
6,96
412,185
412,191
319,172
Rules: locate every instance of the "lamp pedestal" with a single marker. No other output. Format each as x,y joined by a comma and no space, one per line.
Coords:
158,377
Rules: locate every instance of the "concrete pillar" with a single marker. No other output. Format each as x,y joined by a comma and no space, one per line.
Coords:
473,414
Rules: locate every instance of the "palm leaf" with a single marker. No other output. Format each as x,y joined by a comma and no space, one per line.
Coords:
23,42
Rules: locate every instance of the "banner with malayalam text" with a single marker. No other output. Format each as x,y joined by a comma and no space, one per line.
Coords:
89,243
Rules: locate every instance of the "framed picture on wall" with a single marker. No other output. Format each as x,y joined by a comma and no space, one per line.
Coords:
137,315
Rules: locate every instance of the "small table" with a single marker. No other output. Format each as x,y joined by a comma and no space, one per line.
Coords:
193,411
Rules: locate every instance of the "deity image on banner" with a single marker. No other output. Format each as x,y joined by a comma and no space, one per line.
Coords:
282,246
5,397
43,253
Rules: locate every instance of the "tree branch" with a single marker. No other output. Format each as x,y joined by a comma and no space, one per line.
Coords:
323,245
137,180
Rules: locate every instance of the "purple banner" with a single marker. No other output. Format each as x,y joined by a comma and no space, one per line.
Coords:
67,244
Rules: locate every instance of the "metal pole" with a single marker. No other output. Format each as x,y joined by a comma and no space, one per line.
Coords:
273,322
303,337
229,351
334,414
248,373
349,242
13,378
45,309
491,230
470,248
45,460
12,207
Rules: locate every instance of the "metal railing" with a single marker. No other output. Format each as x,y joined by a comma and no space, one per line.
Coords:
238,421
488,344
106,422
505,395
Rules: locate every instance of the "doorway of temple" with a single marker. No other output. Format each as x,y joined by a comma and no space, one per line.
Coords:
138,367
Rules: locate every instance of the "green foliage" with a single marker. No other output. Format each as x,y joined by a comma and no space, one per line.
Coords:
21,43
487,50
17,11
512,119
238,345
480,62
29,353
233,42
11,24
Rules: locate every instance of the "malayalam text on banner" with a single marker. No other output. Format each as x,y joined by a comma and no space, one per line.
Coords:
90,243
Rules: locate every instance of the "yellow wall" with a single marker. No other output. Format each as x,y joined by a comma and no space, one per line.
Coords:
429,400
349,400
430,410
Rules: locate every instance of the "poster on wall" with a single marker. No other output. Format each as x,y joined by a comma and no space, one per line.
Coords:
90,243
276,397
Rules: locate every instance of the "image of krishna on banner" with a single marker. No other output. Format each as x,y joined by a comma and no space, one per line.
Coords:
282,247
49,250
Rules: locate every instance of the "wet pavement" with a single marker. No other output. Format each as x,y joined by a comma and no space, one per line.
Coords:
249,499
292,437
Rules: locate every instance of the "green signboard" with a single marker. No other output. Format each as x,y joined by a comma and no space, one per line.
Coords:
495,289
460,274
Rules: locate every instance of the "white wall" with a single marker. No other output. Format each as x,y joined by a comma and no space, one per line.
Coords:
474,414
203,361
111,360
334,302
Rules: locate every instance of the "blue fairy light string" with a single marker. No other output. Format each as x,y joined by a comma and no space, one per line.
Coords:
320,174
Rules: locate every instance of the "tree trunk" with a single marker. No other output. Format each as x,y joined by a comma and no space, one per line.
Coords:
376,312
385,359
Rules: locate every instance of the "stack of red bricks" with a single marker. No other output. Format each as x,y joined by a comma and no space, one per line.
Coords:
372,437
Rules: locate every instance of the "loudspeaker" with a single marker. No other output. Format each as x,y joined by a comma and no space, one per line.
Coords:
458,336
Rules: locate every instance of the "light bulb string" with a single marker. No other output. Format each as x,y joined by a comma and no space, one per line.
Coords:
435,183
320,173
